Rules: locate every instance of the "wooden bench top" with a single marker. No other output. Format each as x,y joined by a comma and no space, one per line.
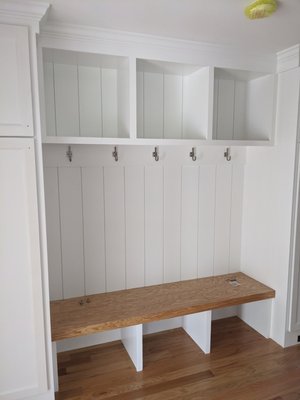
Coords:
123,308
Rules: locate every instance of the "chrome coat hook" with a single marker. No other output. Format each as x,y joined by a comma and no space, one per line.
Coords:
193,154
115,154
69,153
227,154
155,154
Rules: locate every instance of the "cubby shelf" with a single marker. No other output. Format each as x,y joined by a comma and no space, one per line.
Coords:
89,100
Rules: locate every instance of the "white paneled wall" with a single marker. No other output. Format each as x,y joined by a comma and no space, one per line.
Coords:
115,225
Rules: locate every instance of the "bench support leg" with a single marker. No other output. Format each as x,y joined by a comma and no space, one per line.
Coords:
55,368
132,339
257,315
198,327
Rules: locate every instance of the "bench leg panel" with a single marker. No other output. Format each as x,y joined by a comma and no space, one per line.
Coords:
257,315
132,339
55,367
198,327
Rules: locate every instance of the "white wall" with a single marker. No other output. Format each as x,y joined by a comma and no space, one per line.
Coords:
268,200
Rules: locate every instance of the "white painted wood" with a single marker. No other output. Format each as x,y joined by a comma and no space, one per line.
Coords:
109,102
93,230
153,105
196,104
70,193
267,209
172,106
236,214
189,222
225,115
154,241
124,105
240,109
198,327
88,340
23,370
90,110
206,224
15,94
163,325
114,228
66,100
49,99
53,233
140,103
257,315
55,366
135,223
172,223
261,100
132,339
222,219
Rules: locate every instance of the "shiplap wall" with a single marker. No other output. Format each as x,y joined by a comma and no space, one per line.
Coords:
115,225
173,106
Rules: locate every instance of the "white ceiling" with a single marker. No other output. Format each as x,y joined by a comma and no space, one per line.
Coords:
215,21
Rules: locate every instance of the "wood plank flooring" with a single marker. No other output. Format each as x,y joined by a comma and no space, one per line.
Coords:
242,366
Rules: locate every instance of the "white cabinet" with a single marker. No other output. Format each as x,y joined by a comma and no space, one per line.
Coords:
173,100
244,105
86,95
15,83
22,345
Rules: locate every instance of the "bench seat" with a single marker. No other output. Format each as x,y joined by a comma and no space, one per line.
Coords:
96,313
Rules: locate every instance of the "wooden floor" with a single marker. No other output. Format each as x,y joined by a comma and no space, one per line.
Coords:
242,366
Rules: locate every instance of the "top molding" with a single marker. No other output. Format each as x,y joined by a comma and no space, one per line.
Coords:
29,10
288,58
92,39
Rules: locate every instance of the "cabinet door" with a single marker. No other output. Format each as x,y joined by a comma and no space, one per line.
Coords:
15,83
22,341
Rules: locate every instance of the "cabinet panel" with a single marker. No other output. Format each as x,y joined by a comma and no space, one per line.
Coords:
15,86
22,345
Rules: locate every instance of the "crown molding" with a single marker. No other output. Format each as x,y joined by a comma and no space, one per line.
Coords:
288,58
75,36
29,10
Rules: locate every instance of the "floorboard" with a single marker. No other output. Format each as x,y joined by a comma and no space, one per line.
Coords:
242,366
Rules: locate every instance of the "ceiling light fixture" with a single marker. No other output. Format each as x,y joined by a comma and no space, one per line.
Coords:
261,9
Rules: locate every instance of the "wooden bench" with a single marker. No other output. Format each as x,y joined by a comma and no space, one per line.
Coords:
129,309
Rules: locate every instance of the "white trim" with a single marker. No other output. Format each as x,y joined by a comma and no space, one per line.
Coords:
288,58
93,39
28,9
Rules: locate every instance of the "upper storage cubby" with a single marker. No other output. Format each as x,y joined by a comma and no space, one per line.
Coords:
244,105
173,100
85,94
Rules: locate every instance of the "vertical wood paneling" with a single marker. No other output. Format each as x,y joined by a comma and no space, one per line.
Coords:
49,99
71,231
189,222
172,223
236,217
206,227
135,215
109,102
153,105
114,228
140,104
222,219
154,225
53,233
89,81
93,230
240,100
172,106
225,109
66,100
